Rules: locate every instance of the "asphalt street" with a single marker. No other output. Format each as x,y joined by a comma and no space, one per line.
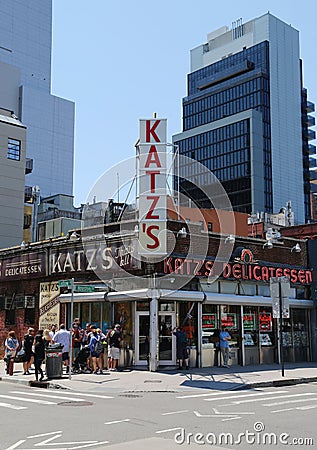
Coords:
39,419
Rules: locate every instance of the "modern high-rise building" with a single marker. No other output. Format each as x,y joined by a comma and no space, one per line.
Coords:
246,118
25,89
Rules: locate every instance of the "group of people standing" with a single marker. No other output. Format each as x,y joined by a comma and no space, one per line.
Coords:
32,350
92,339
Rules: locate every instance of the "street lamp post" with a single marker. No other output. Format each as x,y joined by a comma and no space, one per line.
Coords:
154,345
71,329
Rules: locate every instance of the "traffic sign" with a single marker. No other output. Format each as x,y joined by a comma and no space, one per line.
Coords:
84,288
65,283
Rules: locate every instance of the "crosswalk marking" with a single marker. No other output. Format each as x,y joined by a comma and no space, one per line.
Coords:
291,401
8,405
48,395
203,395
31,400
245,395
83,395
238,402
299,408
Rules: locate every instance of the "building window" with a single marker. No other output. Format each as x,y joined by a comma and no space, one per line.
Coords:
14,149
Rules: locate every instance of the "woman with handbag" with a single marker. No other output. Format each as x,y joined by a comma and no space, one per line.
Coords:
29,355
11,345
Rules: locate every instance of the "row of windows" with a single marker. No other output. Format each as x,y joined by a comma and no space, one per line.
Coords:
252,101
14,149
258,54
212,137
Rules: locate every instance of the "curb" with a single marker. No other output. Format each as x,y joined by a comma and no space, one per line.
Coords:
276,383
261,384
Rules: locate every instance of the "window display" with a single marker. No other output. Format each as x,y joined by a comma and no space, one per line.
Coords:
265,340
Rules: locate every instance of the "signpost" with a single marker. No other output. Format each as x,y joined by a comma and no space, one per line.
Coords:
280,292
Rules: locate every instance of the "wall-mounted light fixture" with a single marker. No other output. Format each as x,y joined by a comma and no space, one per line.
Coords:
230,239
182,233
74,236
268,244
296,248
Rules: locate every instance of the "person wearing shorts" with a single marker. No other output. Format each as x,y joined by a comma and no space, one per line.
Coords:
114,351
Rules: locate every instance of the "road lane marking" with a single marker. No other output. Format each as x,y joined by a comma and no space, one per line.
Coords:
45,442
290,401
8,405
168,430
117,421
264,399
89,445
48,395
231,418
15,445
174,412
256,394
43,434
31,400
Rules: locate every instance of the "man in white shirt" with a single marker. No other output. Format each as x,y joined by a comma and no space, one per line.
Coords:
63,337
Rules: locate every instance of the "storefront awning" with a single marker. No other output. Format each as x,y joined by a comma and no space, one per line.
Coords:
83,297
162,294
231,299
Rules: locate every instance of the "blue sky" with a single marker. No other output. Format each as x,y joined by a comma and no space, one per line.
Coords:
121,60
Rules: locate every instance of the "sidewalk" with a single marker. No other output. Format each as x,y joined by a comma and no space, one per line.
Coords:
140,380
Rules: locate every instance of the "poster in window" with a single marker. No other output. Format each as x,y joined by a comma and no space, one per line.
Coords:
209,322
265,320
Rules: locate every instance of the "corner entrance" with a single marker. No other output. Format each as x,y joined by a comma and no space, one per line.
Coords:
167,343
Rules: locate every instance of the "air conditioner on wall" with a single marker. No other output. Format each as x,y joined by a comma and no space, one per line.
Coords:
29,301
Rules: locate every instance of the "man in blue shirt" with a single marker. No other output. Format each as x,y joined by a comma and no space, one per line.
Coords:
224,345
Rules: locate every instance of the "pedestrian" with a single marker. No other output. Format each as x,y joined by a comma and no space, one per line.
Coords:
216,341
115,339
11,345
95,347
76,340
181,347
224,338
39,355
103,341
108,346
62,336
47,338
53,330
29,355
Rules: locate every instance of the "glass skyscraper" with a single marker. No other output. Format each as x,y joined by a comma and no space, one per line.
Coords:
246,118
25,89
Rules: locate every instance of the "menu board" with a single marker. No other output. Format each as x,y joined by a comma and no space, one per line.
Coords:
265,321
249,321
209,322
229,320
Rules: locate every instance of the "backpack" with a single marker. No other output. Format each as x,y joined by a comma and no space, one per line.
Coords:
98,346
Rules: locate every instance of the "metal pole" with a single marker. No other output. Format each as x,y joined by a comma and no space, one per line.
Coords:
153,360
281,322
71,329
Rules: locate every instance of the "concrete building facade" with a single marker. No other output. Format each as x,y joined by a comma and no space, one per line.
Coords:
25,88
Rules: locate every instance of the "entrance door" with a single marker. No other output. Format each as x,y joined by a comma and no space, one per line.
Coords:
142,332
167,342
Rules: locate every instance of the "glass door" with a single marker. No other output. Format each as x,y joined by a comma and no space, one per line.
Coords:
167,344
142,332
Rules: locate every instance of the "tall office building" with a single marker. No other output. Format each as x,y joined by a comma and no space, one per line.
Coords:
246,118
25,89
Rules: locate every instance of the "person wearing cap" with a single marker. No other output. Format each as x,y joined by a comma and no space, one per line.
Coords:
115,338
